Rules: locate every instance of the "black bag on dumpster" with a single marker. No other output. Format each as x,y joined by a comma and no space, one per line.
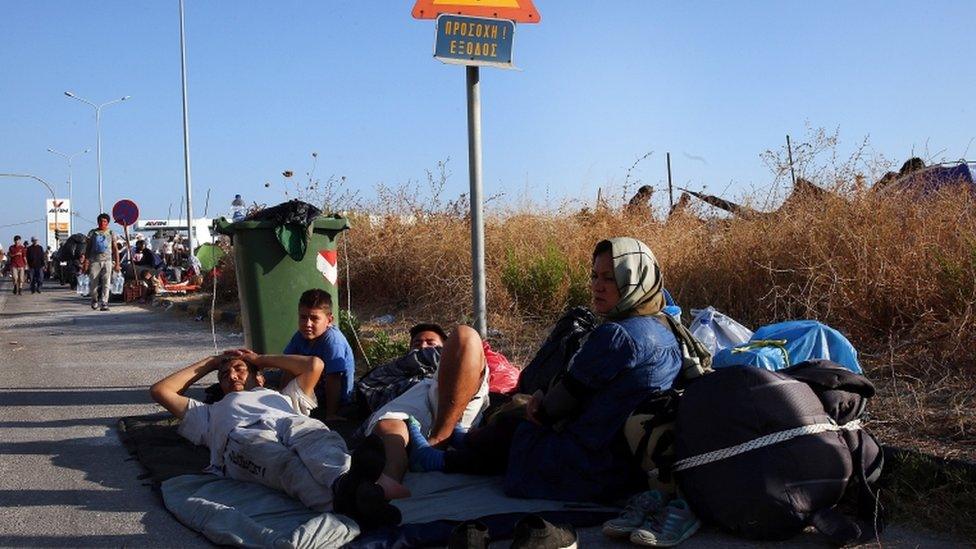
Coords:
293,223
765,454
553,357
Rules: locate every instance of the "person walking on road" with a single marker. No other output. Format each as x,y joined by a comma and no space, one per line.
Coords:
100,259
36,260
17,258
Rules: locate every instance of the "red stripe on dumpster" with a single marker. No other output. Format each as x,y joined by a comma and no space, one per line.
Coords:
326,263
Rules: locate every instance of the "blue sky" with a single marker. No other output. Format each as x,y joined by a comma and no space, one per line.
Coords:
602,83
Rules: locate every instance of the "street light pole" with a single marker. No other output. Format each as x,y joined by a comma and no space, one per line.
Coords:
50,189
69,158
186,140
98,137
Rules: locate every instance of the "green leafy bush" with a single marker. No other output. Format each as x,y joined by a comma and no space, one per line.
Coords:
382,348
538,283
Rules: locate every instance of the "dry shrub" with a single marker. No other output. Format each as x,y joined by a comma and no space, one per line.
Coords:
897,275
226,278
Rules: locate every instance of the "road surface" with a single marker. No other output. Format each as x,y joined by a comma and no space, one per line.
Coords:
69,373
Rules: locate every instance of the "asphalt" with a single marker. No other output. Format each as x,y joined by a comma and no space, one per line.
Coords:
68,375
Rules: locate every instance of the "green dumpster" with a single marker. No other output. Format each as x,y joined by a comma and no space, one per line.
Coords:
270,281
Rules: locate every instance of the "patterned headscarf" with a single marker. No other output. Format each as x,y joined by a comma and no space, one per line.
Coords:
638,278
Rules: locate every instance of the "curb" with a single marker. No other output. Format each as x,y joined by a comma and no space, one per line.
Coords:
229,317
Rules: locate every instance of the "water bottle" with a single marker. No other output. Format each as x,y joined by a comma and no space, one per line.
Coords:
237,208
83,285
118,283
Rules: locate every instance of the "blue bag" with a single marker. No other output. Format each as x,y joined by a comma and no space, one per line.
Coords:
778,346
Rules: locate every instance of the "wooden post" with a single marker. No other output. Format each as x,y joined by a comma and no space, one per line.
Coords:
789,153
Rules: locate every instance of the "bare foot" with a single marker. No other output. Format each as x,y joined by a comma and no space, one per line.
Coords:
391,488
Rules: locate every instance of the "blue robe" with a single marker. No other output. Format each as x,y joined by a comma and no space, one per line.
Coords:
585,458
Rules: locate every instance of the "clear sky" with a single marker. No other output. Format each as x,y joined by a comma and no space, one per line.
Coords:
602,84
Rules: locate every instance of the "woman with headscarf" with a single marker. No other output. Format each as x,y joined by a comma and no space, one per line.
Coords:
572,446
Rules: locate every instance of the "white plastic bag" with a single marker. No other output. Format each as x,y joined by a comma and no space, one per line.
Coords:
717,331
83,284
118,281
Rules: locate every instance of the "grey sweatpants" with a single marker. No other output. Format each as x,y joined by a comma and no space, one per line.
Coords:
17,274
100,273
300,457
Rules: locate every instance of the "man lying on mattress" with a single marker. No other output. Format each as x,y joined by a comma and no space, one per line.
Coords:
258,435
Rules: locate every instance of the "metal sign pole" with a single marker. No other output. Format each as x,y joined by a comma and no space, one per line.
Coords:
477,205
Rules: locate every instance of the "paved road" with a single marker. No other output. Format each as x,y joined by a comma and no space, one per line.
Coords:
69,373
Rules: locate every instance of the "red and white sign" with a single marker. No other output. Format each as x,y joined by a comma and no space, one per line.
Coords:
327,262
58,218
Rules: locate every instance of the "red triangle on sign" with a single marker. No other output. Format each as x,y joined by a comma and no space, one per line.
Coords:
520,11
330,255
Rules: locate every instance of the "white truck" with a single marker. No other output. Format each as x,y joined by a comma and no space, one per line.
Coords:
168,227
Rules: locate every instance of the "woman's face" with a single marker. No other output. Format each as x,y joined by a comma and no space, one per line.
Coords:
603,286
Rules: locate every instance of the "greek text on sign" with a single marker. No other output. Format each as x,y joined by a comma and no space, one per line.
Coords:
463,40
326,262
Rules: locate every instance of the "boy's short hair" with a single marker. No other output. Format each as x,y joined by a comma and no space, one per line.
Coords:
103,216
16,237
316,298
428,327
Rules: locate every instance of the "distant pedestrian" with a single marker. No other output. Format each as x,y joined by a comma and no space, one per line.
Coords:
36,262
640,203
17,258
168,252
100,258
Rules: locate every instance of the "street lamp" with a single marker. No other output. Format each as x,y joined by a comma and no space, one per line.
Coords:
68,157
50,189
98,137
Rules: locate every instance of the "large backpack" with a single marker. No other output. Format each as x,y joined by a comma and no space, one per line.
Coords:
101,243
552,359
765,454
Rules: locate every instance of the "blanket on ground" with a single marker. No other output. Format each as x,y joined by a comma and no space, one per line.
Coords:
236,513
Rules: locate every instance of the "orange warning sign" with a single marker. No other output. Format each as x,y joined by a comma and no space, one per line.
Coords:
521,11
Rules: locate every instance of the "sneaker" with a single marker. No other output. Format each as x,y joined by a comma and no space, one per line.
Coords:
104,307
533,532
471,534
637,509
668,527
94,306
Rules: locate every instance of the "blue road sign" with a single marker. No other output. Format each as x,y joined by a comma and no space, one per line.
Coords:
465,40
125,212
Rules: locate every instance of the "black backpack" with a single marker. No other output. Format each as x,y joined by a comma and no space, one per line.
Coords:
765,454
553,357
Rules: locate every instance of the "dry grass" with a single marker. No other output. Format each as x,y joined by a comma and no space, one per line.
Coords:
896,275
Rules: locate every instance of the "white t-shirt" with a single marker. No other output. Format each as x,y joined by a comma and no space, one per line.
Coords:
210,424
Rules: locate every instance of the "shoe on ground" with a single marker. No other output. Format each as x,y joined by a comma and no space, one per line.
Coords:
94,306
470,534
533,532
104,307
671,525
637,509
